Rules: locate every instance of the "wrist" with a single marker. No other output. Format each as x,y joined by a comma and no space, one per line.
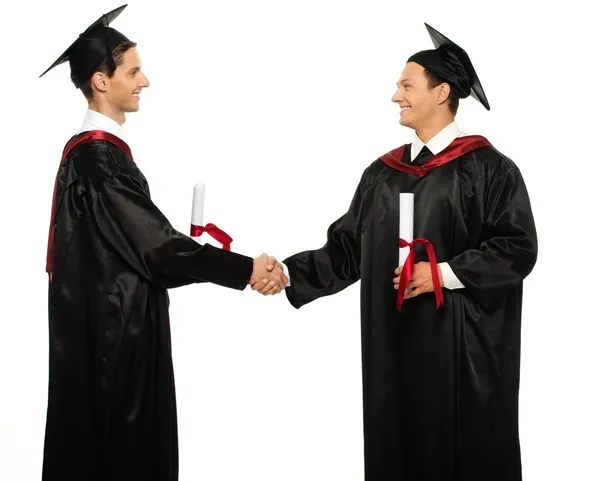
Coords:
440,275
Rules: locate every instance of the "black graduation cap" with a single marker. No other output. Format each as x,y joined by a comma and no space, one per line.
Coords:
94,45
451,63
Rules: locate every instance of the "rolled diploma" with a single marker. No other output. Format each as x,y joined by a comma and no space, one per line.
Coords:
406,212
198,208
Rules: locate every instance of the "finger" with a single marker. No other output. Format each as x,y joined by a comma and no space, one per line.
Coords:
271,261
264,290
410,285
266,286
272,285
398,270
277,271
272,288
278,277
259,285
413,293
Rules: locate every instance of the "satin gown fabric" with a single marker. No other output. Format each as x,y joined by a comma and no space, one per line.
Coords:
440,386
111,400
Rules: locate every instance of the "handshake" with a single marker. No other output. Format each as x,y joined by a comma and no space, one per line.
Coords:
267,276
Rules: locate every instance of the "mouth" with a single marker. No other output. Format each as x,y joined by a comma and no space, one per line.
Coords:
136,95
403,109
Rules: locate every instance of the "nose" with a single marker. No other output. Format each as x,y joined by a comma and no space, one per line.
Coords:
145,82
397,97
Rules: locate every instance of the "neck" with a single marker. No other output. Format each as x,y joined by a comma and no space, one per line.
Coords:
106,109
434,127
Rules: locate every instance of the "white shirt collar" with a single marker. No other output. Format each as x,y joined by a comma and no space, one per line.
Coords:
438,142
96,121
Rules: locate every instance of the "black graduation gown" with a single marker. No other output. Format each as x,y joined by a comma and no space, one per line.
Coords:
440,386
111,402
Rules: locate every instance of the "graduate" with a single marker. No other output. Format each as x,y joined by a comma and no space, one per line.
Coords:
440,336
112,255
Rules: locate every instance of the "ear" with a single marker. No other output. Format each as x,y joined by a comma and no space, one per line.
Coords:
99,81
443,93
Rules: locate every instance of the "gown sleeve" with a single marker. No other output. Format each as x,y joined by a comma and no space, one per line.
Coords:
135,229
333,267
508,248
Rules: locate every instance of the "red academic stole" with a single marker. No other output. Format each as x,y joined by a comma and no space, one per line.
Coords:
459,146
76,141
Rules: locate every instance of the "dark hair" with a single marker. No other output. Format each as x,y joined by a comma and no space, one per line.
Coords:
117,53
433,81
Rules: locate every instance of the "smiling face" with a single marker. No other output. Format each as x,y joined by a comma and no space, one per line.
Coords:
124,87
418,103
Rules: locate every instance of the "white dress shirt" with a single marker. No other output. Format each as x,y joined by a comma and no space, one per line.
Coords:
96,121
436,144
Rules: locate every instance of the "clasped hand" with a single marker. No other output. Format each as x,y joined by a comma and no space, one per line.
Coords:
267,276
420,281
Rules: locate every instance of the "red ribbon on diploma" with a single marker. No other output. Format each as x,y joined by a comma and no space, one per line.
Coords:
407,270
213,231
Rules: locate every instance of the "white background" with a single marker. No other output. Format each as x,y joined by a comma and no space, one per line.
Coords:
278,107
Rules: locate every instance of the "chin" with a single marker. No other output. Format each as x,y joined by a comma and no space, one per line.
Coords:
405,122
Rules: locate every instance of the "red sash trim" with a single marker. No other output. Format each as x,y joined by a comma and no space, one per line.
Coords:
459,146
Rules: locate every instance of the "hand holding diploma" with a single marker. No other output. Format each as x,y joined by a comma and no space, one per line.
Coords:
423,277
421,280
